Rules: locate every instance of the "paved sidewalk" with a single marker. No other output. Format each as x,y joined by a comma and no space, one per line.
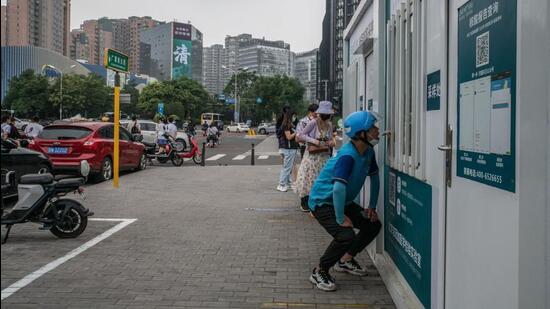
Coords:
213,237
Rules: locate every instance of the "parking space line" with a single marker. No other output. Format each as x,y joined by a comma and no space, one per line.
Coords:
216,157
239,157
53,265
263,157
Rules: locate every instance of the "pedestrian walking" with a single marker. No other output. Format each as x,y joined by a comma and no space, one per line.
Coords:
133,125
331,200
33,128
6,128
318,137
311,109
288,148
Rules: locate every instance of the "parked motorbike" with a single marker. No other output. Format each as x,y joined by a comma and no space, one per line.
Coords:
40,201
172,151
195,151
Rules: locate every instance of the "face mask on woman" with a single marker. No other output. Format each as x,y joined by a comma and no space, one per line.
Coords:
324,117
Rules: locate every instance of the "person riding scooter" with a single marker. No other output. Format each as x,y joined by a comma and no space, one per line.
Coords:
212,135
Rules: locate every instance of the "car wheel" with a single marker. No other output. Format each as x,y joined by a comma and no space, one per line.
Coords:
142,162
106,171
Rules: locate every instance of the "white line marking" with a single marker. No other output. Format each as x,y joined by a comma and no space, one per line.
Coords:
7,292
263,157
239,157
216,157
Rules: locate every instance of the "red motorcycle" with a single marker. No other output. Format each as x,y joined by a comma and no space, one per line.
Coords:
195,151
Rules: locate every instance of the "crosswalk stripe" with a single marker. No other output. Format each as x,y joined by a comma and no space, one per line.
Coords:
216,157
239,157
263,157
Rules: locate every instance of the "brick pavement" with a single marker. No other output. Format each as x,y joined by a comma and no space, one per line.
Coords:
195,245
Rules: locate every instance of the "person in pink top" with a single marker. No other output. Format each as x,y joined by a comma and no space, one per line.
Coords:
319,140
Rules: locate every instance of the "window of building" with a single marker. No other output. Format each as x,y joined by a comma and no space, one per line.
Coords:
406,109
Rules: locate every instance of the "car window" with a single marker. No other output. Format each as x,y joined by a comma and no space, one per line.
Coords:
64,133
124,135
106,132
148,126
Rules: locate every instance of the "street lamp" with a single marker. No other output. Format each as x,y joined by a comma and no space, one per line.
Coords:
60,85
237,111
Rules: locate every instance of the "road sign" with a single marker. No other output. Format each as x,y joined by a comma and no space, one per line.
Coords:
259,100
125,98
230,101
160,108
115,60
221,97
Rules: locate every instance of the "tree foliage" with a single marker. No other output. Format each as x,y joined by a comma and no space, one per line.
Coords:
183,97
28,95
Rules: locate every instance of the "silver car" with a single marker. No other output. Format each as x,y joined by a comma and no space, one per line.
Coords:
148,129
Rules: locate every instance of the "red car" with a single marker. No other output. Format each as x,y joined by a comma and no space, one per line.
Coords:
68,144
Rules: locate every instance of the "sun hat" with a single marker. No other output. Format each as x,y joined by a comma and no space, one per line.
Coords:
325,107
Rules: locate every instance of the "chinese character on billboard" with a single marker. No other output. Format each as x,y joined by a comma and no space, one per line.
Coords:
181,50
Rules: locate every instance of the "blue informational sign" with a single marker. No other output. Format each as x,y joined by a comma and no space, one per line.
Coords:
408,230
230,101
433,94
486,95
160,108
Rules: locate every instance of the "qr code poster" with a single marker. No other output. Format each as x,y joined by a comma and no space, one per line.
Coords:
482,49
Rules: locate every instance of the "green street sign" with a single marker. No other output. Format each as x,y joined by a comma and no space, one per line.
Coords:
115,60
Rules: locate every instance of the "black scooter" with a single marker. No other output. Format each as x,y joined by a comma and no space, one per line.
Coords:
40,201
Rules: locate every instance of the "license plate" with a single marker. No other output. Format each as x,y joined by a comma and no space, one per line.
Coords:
58,150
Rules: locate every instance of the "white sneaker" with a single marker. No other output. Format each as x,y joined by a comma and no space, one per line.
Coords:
282,188
322,280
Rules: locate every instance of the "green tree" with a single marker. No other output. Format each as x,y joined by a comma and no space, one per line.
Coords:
86,95
28,95
183,97
275,92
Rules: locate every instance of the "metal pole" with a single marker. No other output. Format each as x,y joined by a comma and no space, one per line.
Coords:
252,155
116,133
203,163
236,116
61,96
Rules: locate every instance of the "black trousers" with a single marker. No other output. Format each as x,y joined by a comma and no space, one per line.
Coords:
302,151
345,240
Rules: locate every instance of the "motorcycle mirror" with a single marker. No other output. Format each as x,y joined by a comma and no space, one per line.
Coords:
84,168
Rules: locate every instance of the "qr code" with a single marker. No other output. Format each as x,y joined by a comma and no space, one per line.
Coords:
482,49
392,189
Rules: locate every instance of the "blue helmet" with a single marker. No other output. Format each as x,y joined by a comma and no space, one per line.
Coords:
359,121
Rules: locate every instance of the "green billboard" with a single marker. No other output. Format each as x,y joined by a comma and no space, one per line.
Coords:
486,104
181,50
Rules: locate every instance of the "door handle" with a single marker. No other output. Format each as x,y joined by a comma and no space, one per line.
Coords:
444,147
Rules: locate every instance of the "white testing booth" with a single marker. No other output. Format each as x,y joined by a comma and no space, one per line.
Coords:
464,88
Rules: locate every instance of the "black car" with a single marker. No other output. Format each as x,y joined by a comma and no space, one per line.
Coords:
22,161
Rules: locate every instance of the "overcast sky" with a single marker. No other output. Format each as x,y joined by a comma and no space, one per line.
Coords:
297,22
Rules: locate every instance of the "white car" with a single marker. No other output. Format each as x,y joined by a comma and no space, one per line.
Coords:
266,128
237,127
148,130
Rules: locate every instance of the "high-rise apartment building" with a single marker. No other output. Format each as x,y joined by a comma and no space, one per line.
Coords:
305,70
79,48
331,51
43,23
121,34
214,68
175,49
3,25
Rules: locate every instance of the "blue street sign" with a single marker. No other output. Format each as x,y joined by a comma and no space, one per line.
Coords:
230,101
259,100
160,108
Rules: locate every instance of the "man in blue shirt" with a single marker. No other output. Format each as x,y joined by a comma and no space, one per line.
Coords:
332,197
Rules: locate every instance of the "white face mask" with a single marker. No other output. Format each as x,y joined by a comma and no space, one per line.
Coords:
374,142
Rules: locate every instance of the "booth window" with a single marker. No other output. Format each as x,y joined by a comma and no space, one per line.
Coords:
406,111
